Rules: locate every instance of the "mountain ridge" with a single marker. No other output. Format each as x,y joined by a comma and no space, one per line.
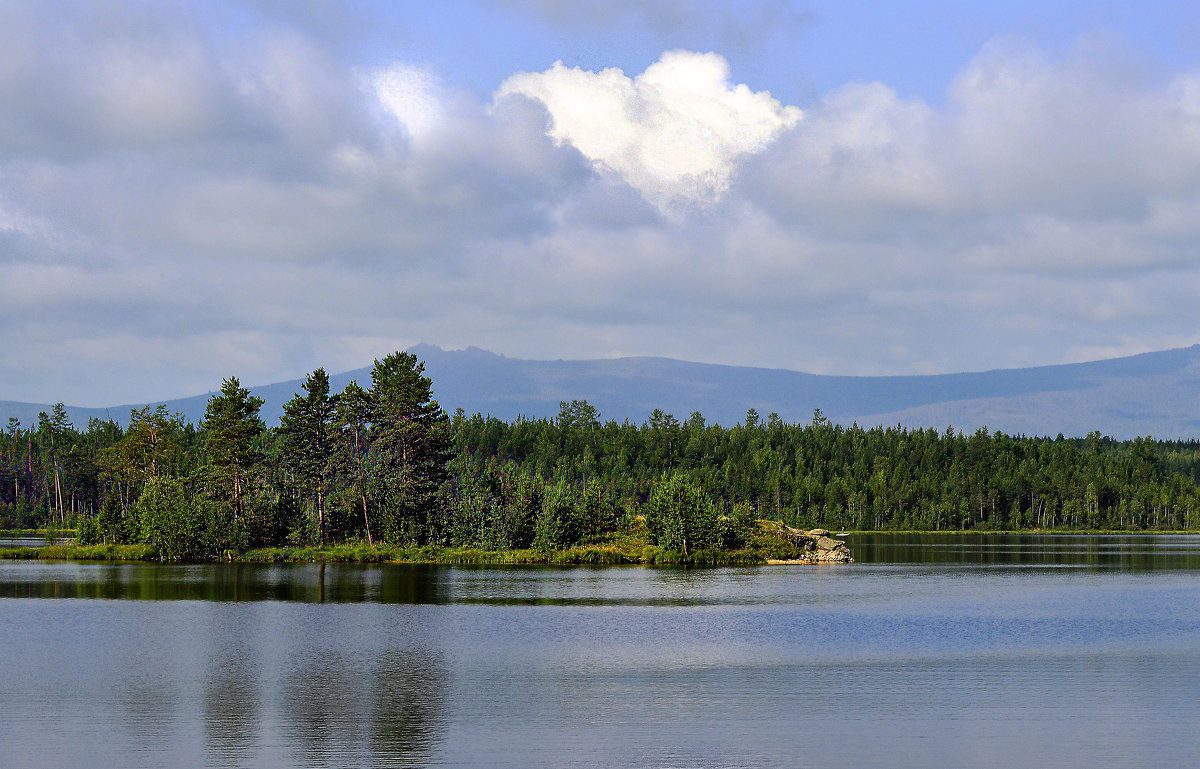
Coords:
1149,393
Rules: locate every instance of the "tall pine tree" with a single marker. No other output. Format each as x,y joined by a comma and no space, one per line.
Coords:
308,441
410,444
348,461
232,423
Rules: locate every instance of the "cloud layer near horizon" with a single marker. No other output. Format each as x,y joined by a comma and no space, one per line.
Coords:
177,206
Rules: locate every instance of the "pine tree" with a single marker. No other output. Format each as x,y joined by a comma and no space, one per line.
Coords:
351,436
150,444
308,441
53,430
410,444
232,423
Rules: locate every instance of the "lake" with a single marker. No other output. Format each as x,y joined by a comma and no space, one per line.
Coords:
963,651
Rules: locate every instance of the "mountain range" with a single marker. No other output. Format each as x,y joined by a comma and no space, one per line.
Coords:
1155,393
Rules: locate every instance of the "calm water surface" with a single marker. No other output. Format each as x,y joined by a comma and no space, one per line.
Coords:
928,652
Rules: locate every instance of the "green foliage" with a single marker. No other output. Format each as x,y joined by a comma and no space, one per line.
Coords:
348,463
150,446
113,524
50,535
559,521
270,518
87,532
517,509
409,446
223,530
737,530
681,517
231,424
822,474
307,441
169,522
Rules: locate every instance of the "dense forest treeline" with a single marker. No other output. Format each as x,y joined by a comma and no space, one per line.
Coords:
384,463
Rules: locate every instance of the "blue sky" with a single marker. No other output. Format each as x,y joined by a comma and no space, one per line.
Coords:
795,50
193,190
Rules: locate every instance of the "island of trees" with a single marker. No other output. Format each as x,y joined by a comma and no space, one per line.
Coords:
381,468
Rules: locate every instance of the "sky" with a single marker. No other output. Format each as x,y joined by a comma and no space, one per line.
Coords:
194,190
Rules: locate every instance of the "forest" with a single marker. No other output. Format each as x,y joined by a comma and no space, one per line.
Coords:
384,463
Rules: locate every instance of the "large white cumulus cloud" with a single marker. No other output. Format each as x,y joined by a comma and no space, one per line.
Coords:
675,132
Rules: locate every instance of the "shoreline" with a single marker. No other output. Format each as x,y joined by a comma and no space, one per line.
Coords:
1015,532
770,549
430,555
773,542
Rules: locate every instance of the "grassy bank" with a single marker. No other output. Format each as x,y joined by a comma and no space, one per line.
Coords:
458,556
37,533
81,553
629,547
450,556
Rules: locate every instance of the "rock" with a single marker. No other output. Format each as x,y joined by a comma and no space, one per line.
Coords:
829,543
841,555
815,546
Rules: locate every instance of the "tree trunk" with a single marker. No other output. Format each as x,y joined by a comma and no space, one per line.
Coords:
362,487
321,510
58,501
237,495
367,522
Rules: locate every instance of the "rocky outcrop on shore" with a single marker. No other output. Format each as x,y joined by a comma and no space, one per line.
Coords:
813,546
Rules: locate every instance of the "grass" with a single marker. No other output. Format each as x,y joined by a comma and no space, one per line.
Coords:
39,533
81,553
591,555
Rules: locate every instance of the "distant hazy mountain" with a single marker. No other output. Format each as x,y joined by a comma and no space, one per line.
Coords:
1155,393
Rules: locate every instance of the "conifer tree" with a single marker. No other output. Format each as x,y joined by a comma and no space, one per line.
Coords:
308,441
351,434
410,444
150,444
232,423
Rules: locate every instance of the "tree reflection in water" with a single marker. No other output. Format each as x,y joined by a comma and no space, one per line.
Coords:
321,679
409,706
232,686
386,712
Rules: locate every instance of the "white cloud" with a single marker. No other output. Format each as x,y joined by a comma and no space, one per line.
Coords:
410,94
1076,142
674,132
862,156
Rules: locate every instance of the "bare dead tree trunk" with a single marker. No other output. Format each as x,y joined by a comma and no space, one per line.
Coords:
367,521
362,488
237,495
321,510
62,516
